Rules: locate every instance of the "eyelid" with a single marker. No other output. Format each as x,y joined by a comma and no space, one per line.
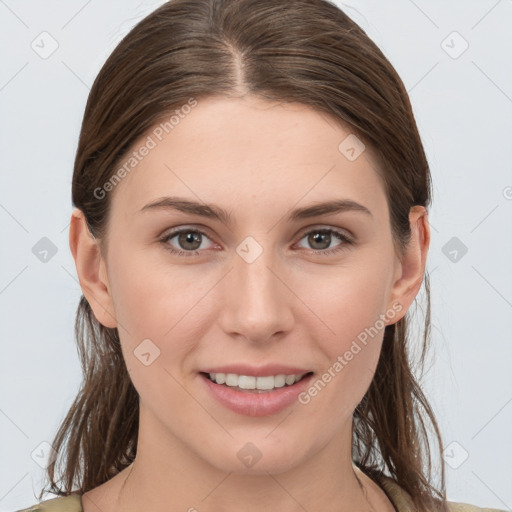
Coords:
187,227
320,227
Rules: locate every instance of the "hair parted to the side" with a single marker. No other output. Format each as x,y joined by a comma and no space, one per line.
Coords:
304,51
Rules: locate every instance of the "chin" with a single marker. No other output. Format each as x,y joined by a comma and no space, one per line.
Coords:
253,455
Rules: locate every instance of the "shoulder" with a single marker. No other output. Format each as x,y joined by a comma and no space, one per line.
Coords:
403,501
71,503
466,507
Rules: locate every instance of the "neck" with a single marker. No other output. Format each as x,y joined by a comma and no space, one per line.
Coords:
170,476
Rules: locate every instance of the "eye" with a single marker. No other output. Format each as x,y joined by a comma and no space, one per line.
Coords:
189,239
320,239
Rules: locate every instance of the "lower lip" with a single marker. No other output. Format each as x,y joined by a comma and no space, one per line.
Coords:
256,404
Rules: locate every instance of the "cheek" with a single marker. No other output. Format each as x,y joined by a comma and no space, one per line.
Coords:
351,306
149,297
352,355
348,301
154,311
159,303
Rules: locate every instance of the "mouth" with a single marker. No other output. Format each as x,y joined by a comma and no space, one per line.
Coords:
255,384
255,395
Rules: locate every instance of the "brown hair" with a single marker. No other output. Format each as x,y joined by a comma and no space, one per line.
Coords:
305,51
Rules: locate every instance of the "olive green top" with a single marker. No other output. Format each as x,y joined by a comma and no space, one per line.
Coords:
398,496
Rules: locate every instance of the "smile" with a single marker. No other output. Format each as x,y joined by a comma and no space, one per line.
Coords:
254,395
255,383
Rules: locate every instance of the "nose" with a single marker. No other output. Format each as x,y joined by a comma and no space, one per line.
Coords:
257,302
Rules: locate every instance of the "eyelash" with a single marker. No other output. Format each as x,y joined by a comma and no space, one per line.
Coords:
327,252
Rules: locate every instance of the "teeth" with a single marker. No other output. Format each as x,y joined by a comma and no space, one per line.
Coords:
290,379
246,382
251,382
265,382
279,381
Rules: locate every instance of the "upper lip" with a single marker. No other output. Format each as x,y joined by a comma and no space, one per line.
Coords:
260,371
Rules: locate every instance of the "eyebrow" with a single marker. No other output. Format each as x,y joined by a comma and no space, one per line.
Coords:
217,213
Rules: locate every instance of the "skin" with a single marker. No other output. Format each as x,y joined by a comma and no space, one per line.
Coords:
259,160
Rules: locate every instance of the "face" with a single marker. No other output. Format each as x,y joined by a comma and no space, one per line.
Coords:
261,293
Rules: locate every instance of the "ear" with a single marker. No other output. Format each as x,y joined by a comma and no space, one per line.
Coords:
91,269
409,272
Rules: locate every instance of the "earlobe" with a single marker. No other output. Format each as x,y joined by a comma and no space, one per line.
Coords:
91,270
411,270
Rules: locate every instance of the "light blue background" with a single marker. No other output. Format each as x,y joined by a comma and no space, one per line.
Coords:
463,108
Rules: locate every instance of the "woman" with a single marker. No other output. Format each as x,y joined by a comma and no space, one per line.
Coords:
250,230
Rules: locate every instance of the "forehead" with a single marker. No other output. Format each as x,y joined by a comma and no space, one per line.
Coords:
248,150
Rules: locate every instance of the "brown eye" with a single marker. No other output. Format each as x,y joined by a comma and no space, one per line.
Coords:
321,239
188,240
318,240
